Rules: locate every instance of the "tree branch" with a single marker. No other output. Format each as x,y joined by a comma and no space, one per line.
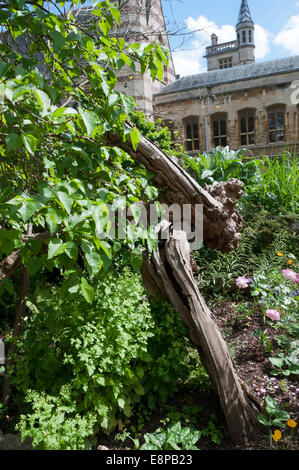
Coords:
13,261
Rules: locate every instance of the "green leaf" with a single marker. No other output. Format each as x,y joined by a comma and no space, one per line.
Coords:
65,200
94,262
87,290
135,138
43,99
90,120
30,143
13,142
116,14
71,250
34,265
55,248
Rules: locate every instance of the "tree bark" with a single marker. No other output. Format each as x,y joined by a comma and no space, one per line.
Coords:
170,274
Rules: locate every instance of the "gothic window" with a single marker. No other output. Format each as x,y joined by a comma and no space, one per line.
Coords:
276,124
247,127
226,63
239,38
191,134
219,130
250,36
244,37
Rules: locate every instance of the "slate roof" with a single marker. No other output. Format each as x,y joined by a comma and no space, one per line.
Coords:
234,74
244,15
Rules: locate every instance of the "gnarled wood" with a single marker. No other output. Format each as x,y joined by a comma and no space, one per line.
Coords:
170,274
221,223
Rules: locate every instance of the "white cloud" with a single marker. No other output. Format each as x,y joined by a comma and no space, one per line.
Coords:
190,61
262,41
288,36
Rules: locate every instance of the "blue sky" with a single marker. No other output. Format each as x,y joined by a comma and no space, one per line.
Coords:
277,28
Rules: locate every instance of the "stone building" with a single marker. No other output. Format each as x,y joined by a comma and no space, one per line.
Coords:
237,102
237,52
142,21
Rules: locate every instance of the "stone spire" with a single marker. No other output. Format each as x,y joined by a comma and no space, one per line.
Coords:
244,15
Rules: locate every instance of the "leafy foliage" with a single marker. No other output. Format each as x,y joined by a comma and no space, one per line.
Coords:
91,365
154,131
58,173
173,438
270,182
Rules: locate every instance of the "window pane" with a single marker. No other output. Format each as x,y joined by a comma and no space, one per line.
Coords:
223,127
243,125
223,142
250,124
196,144
272,136
280,136
189,145
189,131
216,142
244,37
216,128
272,121
280,121
195,131
243,140
251,139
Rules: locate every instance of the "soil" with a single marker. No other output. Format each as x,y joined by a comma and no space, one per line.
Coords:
253,365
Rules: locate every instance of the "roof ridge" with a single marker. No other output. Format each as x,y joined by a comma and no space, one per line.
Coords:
241,72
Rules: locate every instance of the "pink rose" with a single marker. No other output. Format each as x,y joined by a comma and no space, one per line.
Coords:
243,282
291,275
273,314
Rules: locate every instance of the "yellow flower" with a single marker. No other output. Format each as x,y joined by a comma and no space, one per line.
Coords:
290,261
277,435
279,253
291,423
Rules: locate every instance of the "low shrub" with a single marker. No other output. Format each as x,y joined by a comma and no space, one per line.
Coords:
84,367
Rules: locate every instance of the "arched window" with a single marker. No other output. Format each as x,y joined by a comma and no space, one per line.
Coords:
247,126
219,130
276,123
244,37
191,125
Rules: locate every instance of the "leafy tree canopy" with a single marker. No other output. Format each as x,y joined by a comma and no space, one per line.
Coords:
57,103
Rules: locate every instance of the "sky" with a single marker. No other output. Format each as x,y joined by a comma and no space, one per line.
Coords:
190,24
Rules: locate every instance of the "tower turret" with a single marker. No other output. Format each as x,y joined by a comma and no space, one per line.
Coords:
245,35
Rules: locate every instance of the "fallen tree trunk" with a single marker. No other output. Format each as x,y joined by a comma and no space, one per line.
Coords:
169,274
221,223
